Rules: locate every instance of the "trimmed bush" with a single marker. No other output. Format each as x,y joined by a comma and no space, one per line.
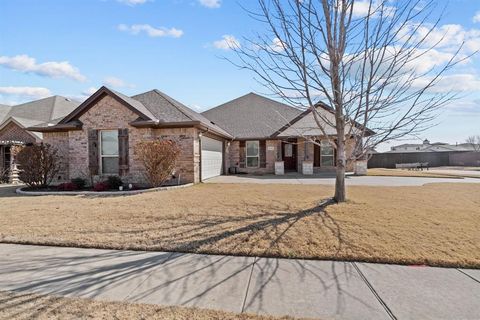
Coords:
79,182
67,186
100,186
114,182
159,158
38,163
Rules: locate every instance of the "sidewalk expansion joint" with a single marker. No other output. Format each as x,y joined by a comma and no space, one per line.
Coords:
248,285
375,293
476,280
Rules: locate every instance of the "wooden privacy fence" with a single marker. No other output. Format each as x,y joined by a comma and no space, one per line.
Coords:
389,160
465,159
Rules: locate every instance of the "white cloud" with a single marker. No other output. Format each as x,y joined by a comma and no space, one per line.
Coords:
31,92
132,2
447,37
151,31
278,45
88,92
361,8
210,3
117,82
227,42
476,17
460,82
51,69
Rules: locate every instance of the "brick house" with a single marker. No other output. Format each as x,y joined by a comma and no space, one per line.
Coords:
14,121
266,131
250,134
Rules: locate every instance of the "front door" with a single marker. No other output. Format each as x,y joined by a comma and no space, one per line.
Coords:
289,155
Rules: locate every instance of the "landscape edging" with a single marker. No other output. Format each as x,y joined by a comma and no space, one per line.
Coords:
97,193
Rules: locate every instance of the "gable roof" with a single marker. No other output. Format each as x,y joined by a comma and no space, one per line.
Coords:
168,110
128,102
154,109
36,112
252,116
305,124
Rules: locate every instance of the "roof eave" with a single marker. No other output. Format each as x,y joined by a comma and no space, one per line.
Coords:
162,124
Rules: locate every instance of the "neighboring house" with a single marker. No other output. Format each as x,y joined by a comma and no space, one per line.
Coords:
15,119
100,137
426,146
266,131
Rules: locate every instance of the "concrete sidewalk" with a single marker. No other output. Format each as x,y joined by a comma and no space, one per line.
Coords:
350,180
299,288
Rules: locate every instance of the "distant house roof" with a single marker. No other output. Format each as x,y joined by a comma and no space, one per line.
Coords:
36,112
252,116
431,147
154,108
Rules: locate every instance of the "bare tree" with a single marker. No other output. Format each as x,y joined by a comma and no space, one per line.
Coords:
475,142
373,68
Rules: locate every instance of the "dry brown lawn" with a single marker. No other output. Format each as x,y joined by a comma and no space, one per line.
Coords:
435,224
380,172
35,306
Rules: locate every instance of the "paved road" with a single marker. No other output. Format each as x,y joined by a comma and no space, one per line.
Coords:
300,288
329,180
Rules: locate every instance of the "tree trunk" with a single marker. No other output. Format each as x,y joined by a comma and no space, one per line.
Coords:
340,192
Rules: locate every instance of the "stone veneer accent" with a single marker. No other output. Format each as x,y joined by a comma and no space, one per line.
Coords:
109,114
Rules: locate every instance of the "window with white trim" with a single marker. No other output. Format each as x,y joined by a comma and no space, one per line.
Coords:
327,154
253,154
109,151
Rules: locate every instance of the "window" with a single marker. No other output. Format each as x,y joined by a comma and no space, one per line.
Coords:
253,154
326,155
109,152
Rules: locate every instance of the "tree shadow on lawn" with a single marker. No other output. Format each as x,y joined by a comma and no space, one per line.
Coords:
172,278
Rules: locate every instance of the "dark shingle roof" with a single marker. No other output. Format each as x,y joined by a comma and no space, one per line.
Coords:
167,109
252,116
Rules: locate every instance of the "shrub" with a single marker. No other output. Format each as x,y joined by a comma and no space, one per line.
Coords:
159,158
114,182
79,182
38,164
100,186
67,186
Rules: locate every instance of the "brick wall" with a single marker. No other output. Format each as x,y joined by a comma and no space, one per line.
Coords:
12,132
60,141
109,114
233,156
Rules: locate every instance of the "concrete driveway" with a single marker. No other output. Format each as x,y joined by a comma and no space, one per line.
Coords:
351,180
298,288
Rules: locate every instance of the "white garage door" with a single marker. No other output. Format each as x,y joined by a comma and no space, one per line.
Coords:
212,158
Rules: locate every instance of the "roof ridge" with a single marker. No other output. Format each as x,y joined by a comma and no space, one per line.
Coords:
169,99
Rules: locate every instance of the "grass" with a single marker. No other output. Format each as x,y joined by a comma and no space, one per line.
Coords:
36,306
435,224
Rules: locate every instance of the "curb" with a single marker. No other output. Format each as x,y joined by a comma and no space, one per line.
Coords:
97,193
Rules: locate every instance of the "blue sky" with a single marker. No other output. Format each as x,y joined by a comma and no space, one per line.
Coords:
71,47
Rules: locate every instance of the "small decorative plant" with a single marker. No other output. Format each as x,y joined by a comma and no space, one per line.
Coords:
100,186
79,182
67,186
114,182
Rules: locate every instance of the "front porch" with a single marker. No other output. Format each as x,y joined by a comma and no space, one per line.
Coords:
281,156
